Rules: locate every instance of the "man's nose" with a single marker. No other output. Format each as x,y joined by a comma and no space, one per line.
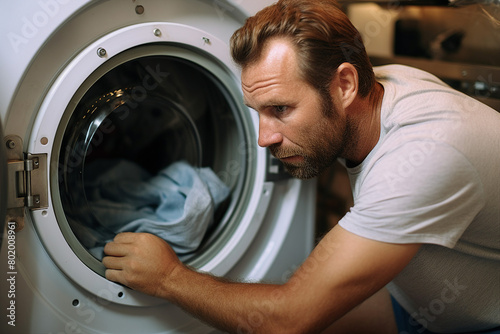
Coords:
269,133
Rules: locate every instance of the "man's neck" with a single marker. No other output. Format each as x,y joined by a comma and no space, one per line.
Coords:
365,125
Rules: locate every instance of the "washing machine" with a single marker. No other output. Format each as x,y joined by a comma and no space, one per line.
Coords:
146,81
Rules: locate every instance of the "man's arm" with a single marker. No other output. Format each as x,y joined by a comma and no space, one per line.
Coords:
342,271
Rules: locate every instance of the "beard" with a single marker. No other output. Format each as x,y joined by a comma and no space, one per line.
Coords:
311,165
321,145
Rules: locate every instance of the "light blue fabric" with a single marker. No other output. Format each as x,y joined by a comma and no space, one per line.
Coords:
177,204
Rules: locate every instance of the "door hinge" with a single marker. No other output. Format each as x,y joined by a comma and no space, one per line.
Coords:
27,181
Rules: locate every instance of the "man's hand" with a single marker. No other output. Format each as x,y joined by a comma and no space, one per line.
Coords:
140,261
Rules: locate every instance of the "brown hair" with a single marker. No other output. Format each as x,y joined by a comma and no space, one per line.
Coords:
321,33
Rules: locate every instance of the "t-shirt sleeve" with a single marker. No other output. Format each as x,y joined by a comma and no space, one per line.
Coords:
421,192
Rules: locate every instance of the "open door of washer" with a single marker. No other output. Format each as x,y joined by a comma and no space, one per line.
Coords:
115,99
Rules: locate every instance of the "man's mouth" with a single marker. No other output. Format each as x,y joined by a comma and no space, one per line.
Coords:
288,156
292,159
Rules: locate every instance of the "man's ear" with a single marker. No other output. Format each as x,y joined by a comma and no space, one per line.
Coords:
346,84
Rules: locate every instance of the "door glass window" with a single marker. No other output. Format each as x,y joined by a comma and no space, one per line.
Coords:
143,151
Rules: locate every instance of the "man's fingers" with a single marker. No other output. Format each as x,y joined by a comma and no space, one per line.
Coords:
120,244
111,262
114,270
114,275
115,249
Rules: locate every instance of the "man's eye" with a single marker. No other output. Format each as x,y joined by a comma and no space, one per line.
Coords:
280,109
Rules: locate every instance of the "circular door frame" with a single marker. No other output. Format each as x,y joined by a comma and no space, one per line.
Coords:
45,129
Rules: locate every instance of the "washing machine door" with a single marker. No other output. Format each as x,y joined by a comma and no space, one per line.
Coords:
140,113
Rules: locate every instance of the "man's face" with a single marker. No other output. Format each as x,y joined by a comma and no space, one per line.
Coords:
301,127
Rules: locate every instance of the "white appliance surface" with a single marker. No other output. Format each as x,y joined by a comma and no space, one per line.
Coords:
55,55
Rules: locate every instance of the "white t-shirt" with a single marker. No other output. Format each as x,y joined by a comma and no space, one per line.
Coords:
434,178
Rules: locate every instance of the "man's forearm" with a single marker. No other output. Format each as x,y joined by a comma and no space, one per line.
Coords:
342,271
233,307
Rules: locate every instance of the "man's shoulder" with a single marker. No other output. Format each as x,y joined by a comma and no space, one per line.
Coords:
401,70
408,78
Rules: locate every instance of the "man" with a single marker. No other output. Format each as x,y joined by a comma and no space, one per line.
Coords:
423,161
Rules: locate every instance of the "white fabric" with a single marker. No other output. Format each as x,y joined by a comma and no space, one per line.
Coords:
434,178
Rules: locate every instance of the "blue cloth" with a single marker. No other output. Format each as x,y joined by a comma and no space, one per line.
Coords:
177,204
408,325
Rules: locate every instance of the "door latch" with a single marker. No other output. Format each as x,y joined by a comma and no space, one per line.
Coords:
27,185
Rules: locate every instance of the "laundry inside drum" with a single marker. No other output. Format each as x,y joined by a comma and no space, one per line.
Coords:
142,152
